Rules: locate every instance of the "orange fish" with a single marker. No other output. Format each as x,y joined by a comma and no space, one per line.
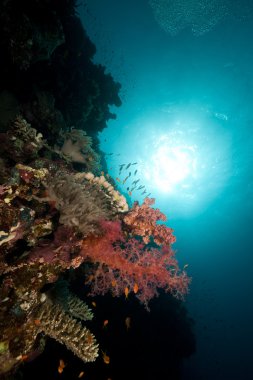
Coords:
128,322
118,179
93,303
90,339
105,323
61,366
130,193
106,358
80,375
23,358
126,291
37,322
136,288
113,283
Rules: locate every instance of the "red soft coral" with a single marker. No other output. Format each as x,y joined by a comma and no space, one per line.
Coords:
142,221
123,262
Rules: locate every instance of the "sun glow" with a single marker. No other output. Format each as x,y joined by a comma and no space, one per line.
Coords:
171,166
183,159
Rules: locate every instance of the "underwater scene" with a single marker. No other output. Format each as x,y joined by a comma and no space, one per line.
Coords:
126,182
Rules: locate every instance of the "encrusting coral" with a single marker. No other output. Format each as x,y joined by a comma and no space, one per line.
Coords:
21,142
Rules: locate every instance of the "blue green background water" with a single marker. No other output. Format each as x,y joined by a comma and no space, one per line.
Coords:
187,121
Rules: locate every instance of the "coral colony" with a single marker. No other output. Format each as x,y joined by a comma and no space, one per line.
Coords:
57,212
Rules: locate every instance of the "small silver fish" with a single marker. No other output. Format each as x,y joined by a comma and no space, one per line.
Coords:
125,179
135,171
128,166
144,192
121,168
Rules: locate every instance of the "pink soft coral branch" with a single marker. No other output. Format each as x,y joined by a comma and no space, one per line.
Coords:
142,221
123,262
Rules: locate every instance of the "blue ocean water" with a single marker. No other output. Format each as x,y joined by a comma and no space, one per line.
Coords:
186,126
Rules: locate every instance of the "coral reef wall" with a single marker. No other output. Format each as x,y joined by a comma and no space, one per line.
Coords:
58,212
53,98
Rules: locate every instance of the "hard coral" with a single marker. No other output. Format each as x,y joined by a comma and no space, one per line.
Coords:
31,312
59,325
